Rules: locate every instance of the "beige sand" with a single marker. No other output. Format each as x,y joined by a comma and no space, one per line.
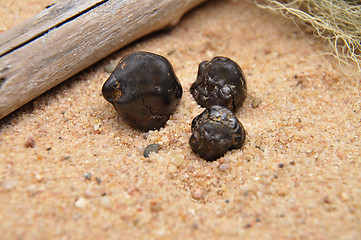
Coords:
70,168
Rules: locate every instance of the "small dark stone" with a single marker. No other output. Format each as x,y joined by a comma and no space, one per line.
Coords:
260,147
144,90
220,82
88,176
281,165
292,162
98,180
151,148
215,131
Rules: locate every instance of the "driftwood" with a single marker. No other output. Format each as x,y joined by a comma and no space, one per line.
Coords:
71,35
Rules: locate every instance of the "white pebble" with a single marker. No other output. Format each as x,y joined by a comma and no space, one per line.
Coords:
81,203
345,196
223,167
38,177
96,126
106,202
177,160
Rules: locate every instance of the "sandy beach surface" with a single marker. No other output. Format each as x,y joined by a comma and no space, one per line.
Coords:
71,168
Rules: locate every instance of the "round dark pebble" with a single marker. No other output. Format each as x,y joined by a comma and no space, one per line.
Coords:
215,131
144,89
220,82
281,165
151,148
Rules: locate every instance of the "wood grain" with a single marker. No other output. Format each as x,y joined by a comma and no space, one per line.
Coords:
71,35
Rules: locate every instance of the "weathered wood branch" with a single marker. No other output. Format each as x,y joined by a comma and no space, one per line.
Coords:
71,35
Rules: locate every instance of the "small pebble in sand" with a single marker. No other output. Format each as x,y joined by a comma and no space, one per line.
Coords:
327,199
109,68
98,180
281,165
81,202
30,142
256,102
151,148
345,196
88,176
38,177
223,167
177,160
198,194
96,126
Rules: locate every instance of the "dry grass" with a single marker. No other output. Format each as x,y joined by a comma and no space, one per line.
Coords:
338,21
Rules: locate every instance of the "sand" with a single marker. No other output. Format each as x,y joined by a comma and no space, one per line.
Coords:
71,168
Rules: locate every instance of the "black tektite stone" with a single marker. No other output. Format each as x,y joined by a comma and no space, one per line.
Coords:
220,82
215,131
144,90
